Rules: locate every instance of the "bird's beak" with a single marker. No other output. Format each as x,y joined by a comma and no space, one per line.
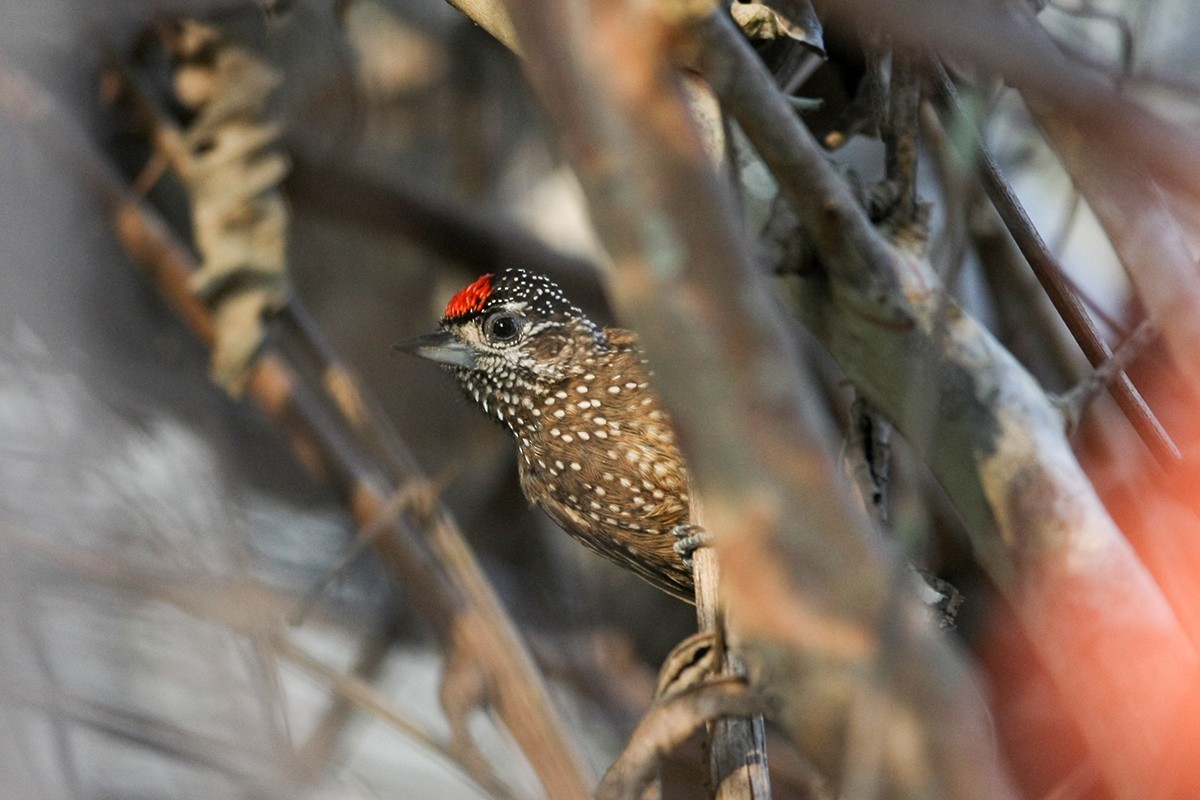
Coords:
442,347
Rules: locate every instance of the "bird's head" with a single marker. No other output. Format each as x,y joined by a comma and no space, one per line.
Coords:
508,335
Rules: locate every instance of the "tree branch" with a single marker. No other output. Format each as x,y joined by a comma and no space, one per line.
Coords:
1066,301
997,445
802,573
455,597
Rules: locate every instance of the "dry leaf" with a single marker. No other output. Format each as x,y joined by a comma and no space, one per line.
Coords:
239,217
776,19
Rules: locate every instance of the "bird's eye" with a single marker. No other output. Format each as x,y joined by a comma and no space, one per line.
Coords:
502,327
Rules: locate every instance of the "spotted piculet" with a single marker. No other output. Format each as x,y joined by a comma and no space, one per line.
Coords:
596,450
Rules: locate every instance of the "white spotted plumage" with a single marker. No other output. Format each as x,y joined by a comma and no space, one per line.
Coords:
572,439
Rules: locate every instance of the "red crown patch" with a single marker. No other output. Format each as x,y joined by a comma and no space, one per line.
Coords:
470,299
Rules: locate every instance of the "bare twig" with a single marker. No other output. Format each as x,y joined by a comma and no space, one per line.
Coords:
667,726
738,746
998,448
411,493
454,595
996,40
366,697
320,747
1052,278
435,587
1076,401
448,587
1141,225
904,101
691,662
725,364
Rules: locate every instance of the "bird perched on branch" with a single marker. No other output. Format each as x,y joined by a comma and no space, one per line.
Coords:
597,451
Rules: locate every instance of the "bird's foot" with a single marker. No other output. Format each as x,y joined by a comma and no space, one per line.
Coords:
688,539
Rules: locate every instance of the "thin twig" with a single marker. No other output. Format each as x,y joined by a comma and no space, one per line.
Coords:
320,747
904,101
666,726
1075,401
801,570
450,592
404,498
738,746
999,451
1014,46
1050,274
366,697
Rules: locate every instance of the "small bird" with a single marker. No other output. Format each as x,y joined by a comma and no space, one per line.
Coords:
597,451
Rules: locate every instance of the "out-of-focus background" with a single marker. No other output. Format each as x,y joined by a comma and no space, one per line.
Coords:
126,473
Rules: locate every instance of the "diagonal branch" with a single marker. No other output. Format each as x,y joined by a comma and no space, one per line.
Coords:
802,572
1064,297
667,726
442,580
996,443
